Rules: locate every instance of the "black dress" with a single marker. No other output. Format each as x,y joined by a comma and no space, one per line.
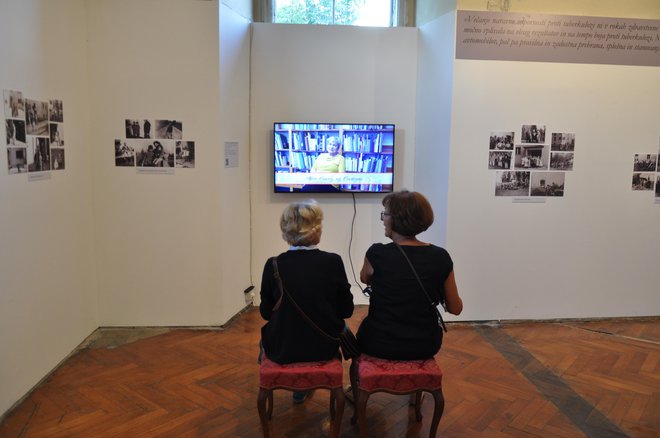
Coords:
401,324
317,281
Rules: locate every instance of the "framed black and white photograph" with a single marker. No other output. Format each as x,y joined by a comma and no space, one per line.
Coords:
56,135
547,184
15,130
657,185
157,153
36,117
16,160
169,129
532,157
57,159
185,154
501,141
645,162
561,160
511,183
563,142
14,104
499,159
532,134
38,154
55,111
124,154
643,181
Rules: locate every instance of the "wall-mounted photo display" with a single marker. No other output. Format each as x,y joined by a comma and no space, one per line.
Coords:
38,153
547,184
509,183
14,104
532,157
16,160
154,145
55,111
562,142
532,134
645,162
15,130
643,181
500,159
56,131
139,128
657,185
34,134
36,117
124,154
561,160
169,129
185,154
501,141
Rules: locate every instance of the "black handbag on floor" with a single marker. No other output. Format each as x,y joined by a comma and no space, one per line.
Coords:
346,339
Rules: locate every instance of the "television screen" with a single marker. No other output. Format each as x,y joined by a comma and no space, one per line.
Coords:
333,157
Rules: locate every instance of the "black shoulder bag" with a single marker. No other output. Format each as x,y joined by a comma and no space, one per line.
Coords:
441,322
346,339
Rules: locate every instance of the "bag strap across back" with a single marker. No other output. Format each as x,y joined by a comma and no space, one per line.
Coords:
284,292
441,322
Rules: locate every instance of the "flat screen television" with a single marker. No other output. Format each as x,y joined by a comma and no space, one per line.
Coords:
333,157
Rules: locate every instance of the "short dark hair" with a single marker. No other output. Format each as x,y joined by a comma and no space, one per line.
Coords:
410,212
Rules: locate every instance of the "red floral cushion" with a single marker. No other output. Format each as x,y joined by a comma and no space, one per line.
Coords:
301,375
398,376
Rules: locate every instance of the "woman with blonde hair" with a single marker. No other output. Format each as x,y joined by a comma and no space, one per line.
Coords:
316,280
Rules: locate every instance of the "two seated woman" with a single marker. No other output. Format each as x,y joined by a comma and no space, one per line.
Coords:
401,323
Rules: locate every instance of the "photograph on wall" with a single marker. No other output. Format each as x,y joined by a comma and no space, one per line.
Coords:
159,153
561,160
139,128
643,181
36,117
16,160
56,135
657,185
15,130
547,184
645,162
499,160
124,154
55,111
532,134
169,129
501,141
185,154
562,142
57,158
14,104
38,154
511,183
532,157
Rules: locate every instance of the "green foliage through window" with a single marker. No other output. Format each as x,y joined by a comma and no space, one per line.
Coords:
346,12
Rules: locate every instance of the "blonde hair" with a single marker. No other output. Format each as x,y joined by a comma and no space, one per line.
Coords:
300,222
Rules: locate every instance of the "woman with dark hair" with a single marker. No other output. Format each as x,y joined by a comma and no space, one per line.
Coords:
401,323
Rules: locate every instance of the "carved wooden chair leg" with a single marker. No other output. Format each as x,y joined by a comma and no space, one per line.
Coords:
418,405
361,410
439,408
338,395
265,411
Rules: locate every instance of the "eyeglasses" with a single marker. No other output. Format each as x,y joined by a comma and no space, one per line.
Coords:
383,214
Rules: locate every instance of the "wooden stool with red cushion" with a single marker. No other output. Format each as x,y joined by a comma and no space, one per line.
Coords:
302,376
370,374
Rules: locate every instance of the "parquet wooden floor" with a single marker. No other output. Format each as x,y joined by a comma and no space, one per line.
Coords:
543,379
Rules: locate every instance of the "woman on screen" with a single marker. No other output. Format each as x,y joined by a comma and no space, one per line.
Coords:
331,161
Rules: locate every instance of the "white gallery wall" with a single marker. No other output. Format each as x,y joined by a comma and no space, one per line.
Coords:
325,74
592,253
171,249
47,269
